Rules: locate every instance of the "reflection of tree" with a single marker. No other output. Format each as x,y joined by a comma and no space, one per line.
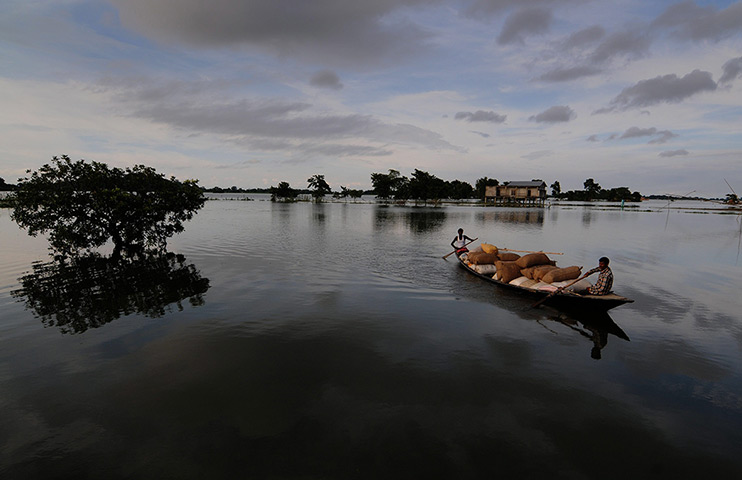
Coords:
91,291
421,221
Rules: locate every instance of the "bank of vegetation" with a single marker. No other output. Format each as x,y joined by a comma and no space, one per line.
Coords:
422,186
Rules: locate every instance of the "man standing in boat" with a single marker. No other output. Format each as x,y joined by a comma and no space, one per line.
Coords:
460,241
605,278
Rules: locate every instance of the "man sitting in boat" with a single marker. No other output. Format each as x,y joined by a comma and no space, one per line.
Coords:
605,278
459,242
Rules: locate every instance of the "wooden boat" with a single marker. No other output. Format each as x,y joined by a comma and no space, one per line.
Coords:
564,300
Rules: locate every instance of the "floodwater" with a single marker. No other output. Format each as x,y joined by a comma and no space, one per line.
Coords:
333,341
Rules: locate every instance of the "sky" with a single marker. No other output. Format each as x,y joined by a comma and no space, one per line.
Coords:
249,93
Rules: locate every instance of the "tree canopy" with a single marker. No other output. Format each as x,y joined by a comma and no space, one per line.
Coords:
593,191
283,192
318,186
83,205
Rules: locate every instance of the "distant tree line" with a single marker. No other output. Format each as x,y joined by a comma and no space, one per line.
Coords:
424,186
593,191
6,187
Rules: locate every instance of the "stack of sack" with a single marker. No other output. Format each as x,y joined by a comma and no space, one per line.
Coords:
537,271
483,259
534,270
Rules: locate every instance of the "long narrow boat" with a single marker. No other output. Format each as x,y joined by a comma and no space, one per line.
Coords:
564,300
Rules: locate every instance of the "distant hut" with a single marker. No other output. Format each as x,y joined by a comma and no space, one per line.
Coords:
532,193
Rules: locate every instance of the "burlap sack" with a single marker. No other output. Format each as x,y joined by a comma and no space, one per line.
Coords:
541,270
508,257
507,271
487,248
481,258
528,272
532,259
561,274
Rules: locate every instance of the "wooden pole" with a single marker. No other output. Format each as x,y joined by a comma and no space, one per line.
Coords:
528,251
447,255
556,291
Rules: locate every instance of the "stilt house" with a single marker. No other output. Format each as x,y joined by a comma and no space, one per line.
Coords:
517,193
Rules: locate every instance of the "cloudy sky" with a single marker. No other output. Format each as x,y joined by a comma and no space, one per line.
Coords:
252,92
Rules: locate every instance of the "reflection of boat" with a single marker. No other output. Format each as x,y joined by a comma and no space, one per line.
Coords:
564,300
596,327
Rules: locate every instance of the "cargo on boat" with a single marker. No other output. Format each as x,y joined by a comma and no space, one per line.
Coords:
537,275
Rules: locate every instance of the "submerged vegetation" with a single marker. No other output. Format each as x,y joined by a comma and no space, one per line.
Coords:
83,205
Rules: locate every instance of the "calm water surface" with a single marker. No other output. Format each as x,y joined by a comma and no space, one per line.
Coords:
333,341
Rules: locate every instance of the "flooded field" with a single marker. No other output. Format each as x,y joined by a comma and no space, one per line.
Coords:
333,341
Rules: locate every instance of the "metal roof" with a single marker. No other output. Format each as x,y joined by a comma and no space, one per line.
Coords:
532,183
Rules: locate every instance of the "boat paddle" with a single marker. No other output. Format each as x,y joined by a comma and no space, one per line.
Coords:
447,255
556,291
529,251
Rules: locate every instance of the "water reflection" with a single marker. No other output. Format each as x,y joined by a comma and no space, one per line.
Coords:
595,327
587,217
92,291
522,216
417,219
420,221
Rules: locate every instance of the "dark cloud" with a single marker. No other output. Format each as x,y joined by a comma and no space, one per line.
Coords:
662,135
584,37
592,138
634,132
266,124
532,21
690,21
569,73
556,114
630,44
481,116
489,8
332,32
326,79
673,153
481,134
662,89
732,70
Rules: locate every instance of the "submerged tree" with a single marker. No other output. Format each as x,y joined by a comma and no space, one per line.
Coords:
283,191
83,205
319,187
388,185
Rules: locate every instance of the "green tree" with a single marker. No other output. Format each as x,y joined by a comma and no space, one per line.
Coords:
458,190
344,193
318,186
283,192
556,188
425,186
482,184
82,205
592,189
388,185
